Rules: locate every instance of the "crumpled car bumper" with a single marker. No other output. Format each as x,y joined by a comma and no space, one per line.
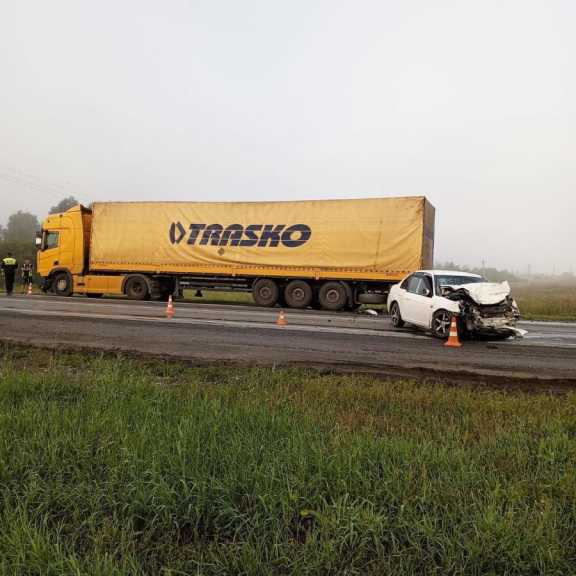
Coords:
497,326
491,320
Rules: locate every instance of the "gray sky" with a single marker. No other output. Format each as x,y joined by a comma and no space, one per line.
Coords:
470,103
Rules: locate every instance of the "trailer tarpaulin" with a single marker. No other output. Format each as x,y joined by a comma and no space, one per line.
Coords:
385,236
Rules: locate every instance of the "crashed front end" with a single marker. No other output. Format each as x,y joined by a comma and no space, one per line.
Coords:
497,319
486,308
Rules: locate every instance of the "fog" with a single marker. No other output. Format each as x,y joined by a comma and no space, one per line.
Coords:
468,103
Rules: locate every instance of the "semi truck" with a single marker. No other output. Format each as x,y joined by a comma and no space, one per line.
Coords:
330,254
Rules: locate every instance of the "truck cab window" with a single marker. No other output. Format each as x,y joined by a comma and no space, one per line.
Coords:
51,240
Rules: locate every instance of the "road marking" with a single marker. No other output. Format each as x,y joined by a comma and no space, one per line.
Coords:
235,323
192,307
200,307
192,311
544,340
561,324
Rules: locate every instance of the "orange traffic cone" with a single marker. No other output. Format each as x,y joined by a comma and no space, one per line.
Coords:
453,340
29,293
170,308
281,319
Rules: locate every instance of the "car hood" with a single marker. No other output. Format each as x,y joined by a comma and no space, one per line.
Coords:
485,293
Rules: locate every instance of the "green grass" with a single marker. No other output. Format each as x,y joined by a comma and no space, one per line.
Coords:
546,301
220,297
116,466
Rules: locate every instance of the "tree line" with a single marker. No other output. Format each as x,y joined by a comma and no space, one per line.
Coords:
20,231
491,274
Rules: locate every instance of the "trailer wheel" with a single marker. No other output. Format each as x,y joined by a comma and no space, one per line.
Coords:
333,296
371,298
298,294
265,292
137,288
62,284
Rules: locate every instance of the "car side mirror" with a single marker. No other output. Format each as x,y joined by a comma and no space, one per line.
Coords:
426,292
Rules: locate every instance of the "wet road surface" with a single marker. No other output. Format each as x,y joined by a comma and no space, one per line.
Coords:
249,335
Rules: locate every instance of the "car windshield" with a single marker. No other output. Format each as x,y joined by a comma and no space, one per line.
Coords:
454,280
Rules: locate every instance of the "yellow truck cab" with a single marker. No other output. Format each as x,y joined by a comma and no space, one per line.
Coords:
330,254
63,256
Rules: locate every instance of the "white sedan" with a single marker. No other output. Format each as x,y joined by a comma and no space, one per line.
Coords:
429,299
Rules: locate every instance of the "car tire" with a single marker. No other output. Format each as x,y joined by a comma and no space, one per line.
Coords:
441,321
395,316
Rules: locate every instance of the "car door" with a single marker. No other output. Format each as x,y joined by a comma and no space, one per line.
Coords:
67,243
400,294
424,301
418,301
49,254
408,304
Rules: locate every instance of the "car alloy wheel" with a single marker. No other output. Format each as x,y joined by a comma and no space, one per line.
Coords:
441,323
395,315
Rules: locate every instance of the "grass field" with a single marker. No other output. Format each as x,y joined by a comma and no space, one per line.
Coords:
117,466
220,297
546,301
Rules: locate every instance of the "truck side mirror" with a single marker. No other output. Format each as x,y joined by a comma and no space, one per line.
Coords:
38,240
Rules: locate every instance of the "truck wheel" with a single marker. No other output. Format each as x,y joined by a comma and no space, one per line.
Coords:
265,292
62,284
137,288
371,298
333,296
298,294
395,316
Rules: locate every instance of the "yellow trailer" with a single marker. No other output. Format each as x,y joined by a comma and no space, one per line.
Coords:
329,253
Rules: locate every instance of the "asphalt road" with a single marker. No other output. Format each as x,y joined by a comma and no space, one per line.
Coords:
546,357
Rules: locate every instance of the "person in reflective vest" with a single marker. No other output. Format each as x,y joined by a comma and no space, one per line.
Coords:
26,274
9,267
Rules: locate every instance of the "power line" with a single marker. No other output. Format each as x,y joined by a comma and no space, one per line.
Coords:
27,184
21,177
